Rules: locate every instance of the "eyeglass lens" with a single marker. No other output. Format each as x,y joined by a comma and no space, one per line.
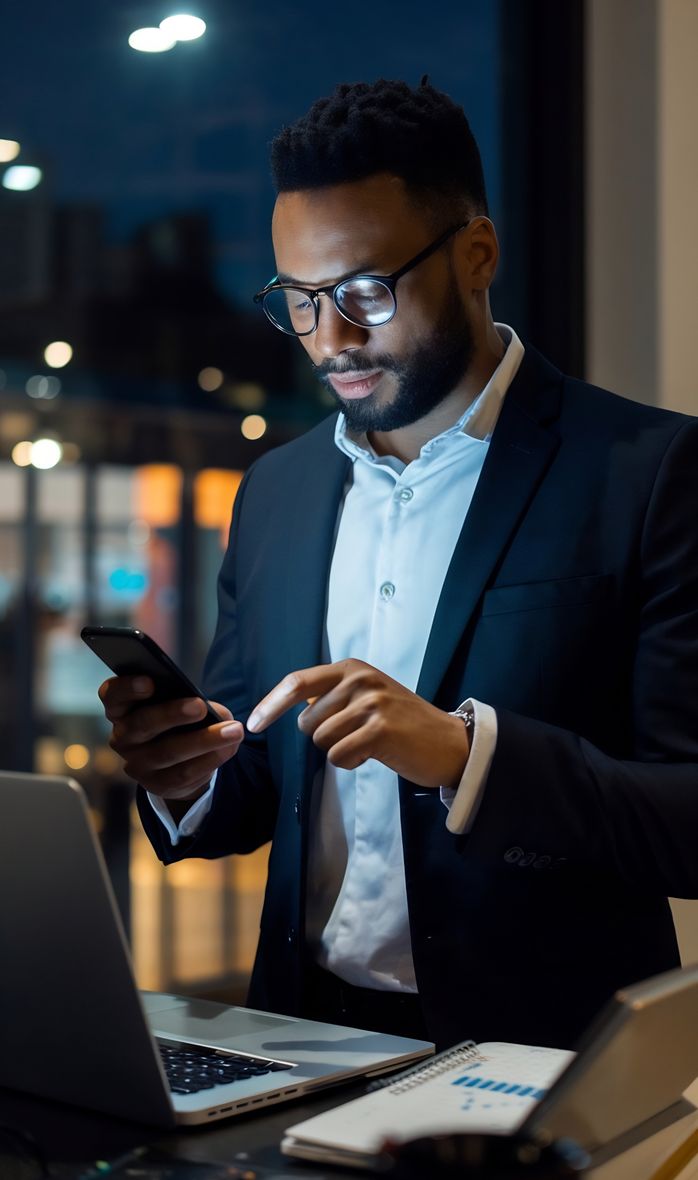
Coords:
291,310
363,301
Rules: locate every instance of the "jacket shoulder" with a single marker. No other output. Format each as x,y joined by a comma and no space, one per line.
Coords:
307,448
614,409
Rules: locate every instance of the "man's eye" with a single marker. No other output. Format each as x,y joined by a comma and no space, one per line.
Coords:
300,304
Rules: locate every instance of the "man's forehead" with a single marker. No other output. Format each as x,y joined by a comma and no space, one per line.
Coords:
322,235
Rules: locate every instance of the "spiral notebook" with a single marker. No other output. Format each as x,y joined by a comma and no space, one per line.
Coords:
487,1087
634,1061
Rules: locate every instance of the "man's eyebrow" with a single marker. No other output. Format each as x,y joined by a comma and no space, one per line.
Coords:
364,269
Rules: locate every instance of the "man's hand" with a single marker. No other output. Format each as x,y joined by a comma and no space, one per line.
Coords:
176,766
356,712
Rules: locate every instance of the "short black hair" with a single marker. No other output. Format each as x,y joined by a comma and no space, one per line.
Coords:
365,128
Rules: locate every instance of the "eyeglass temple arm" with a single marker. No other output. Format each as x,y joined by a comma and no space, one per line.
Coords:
431,249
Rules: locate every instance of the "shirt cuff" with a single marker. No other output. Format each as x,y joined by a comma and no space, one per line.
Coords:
463,802
189,823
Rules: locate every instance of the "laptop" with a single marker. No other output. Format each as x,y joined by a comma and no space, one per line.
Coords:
75,1028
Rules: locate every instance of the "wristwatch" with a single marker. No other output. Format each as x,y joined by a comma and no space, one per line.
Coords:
467,714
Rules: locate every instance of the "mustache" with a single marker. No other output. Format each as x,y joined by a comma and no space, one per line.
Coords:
357,364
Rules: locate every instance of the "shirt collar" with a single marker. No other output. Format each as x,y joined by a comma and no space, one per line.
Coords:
478,421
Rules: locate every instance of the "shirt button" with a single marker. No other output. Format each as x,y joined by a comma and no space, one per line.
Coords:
387,591
406,495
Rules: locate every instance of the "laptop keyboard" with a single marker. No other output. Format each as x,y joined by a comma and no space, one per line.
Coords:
190,1068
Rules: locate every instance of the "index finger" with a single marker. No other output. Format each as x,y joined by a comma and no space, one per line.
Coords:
299,686
118,694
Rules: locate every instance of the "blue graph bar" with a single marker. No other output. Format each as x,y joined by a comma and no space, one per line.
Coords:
481,1083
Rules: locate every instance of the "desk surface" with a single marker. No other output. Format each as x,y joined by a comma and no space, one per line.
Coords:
73,1139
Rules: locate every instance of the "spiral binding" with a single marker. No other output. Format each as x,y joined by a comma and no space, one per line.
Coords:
464,1054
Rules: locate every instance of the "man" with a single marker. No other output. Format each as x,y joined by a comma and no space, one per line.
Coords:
456,648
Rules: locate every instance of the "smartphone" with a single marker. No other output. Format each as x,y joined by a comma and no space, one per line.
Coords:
130,652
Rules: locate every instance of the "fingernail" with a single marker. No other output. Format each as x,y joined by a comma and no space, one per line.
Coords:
254,720
232,729
193,708
141,684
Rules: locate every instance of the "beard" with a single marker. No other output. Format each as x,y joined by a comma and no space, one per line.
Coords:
424,378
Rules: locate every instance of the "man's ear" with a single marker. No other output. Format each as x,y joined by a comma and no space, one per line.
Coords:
479,253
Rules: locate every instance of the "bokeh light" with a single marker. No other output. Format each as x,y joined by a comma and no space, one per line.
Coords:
183,27
22,453
253,426
46,453
210,379
9,150
20,178
76,756
151,41
58,354
246,395
71,453
138,532
40,387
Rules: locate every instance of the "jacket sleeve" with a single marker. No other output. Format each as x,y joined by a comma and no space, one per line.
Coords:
553,791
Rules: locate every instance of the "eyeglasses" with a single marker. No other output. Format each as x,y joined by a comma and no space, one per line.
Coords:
369,301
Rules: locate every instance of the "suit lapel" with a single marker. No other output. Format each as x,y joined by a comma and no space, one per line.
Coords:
310,543
520,452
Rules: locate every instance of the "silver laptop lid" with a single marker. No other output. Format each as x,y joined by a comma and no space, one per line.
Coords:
72,1026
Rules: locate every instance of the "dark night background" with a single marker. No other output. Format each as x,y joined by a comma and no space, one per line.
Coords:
150,231
141,135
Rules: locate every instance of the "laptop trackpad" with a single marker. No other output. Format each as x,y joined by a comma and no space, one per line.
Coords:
206,1021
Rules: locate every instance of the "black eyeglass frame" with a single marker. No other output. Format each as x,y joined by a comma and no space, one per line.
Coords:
387,281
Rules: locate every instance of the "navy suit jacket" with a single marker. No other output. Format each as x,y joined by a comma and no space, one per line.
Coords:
571,606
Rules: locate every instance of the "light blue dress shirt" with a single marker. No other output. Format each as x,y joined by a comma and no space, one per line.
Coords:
397,530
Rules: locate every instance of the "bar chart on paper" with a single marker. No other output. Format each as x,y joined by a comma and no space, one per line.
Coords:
486,1087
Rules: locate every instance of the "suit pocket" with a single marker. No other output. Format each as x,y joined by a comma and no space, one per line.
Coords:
529,596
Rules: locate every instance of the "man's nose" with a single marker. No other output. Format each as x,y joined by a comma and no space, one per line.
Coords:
334,333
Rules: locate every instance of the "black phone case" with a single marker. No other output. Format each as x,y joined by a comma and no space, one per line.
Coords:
130,652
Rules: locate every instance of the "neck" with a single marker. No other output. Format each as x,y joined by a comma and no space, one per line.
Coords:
406,443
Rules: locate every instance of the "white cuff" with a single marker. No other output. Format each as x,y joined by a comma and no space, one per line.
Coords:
462,804
191,821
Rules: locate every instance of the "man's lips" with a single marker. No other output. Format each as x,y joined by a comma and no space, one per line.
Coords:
353,385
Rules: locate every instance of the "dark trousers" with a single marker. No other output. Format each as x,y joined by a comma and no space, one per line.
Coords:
330,999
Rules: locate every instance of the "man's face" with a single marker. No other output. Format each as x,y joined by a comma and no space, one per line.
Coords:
387,377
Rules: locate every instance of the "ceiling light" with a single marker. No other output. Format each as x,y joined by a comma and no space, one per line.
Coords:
183,27
151,41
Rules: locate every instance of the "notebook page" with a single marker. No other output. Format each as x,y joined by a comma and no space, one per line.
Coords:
491,1089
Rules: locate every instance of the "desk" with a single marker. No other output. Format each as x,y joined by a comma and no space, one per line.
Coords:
73,1139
